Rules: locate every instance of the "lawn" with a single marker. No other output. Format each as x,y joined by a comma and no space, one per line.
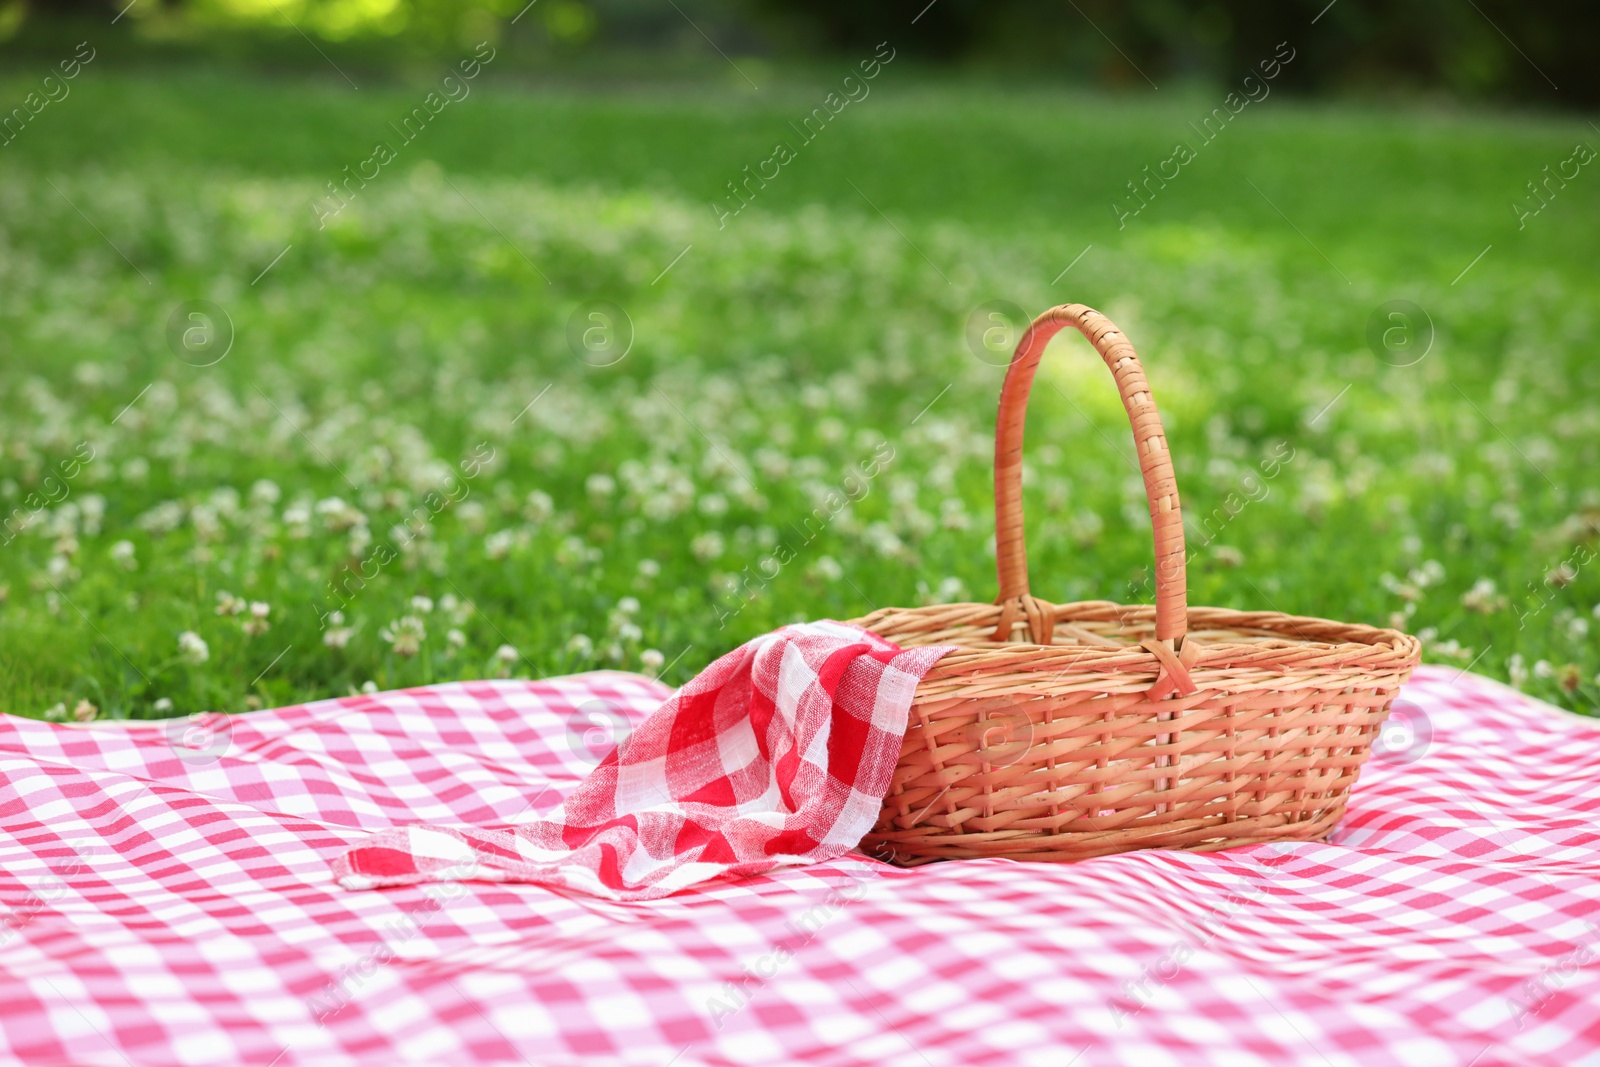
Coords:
404,410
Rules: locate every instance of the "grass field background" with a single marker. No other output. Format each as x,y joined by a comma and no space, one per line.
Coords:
652,512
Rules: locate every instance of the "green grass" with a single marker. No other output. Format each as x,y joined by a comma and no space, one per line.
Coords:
806,337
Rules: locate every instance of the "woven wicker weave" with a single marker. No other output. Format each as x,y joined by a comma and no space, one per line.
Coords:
1064,731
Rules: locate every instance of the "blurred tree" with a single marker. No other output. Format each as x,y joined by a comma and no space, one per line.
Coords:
1472,49
1478,49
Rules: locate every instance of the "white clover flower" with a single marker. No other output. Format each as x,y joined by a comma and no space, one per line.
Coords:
649,568
257,623
207,526
600,485
1409,590
498,544
422,605
161,519
707,546
338,515
85,711
574,552
883,540
266,492
652,660
405,634
504,659
1544,669
225,501
953,515
162,705
337,636
772,463
473,516
122,554
297,517
659,507
539,507
1482,597
192,648
1506,513
828,569
56,713
369,686
93,506
455,639
628,605
1228,556
330,506
579,645
1561,576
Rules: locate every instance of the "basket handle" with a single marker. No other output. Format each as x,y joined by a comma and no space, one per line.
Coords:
1160,484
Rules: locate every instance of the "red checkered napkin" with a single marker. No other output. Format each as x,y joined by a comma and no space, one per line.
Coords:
779,753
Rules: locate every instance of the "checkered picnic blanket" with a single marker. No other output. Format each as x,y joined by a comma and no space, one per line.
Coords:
166,898
779,753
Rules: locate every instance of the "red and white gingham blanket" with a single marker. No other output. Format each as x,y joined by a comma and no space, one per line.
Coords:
167,898
778,753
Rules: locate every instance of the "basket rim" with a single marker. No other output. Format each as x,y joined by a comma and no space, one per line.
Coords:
1356,638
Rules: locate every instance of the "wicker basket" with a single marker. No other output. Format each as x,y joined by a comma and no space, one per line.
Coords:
1064,731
